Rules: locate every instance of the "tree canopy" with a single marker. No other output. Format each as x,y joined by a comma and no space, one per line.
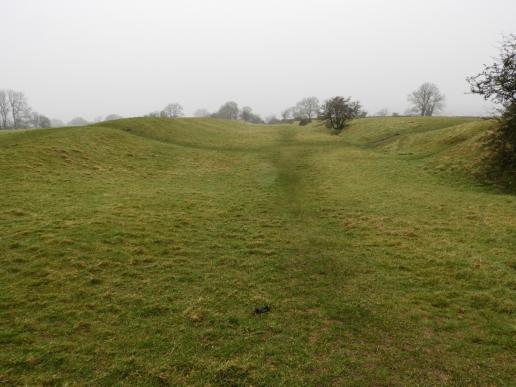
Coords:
498,81
426,100
338,110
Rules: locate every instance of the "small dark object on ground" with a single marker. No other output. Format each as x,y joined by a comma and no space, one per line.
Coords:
262,309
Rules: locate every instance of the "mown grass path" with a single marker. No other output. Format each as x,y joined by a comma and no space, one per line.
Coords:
135,253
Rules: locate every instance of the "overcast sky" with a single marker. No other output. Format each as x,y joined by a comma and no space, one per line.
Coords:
95,57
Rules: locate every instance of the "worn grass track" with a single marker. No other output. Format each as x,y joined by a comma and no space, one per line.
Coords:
134,252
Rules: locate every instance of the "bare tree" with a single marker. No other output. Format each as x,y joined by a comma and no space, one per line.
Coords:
34,119
247,115
382,113
229,111
307,108
172,110
55,123
15,112
39,120
44,121
5,109
272,119
111,117
19,107
426,100
202,113
338,110
287,114
78,121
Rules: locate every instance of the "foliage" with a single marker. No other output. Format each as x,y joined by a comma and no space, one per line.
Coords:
228,111
247,115
501,144
304,121
338,110
498,83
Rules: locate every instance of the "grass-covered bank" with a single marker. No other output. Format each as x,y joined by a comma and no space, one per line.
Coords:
135,252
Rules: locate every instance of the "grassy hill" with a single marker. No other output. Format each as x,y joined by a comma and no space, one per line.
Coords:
135,251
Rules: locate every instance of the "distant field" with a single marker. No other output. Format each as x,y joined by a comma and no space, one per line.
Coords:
135,251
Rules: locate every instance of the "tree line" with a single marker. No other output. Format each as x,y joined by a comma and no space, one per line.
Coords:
426,101
15,112
228,111
334,111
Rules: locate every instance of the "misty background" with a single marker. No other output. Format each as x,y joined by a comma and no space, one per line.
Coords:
94,58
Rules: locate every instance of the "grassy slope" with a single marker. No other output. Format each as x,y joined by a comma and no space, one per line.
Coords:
135,252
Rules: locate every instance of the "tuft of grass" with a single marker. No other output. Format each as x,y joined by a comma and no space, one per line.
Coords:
135,251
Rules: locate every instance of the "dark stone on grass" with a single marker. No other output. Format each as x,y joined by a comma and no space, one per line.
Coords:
262,309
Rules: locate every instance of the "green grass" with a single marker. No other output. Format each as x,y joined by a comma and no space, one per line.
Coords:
134,252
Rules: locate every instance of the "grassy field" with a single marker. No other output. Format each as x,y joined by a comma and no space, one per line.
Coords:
135,251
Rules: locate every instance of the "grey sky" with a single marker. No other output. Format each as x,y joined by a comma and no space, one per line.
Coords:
95,57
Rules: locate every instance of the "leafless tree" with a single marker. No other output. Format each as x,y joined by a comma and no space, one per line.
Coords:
172,110
34,119
382,113
55,123
426,100
202,113
111,117
44,121
39,120
78,121
5,109
307,108
272,119
19,107
229,111
287,114
247,115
